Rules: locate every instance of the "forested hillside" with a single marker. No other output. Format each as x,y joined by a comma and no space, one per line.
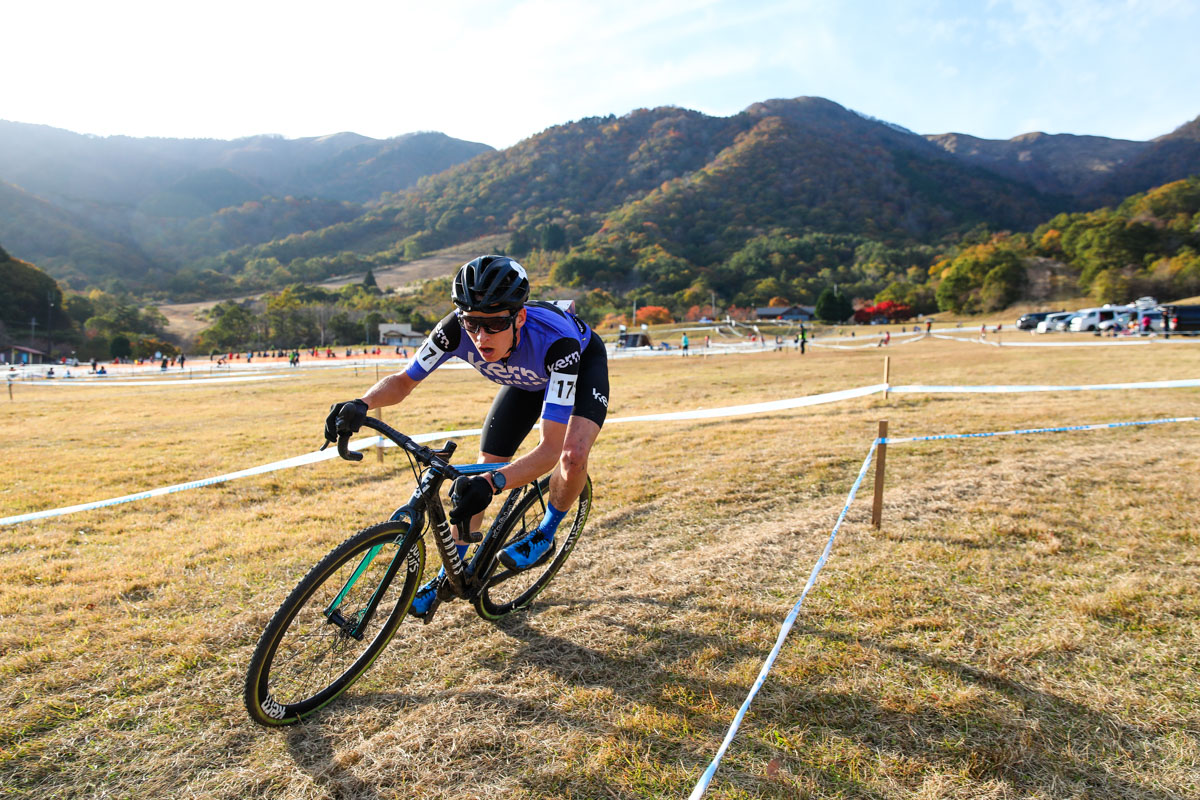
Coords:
52,235
666,207
1094,170
35,312
127,213
1148,245
673,184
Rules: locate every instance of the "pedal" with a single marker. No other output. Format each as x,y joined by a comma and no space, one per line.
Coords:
427,617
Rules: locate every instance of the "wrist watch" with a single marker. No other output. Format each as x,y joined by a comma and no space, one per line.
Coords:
499,482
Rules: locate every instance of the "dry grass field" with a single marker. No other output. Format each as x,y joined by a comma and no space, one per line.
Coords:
1024,625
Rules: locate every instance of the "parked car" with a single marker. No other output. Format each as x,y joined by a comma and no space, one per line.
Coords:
1028,322
1049,324
1089,319
1181,318
1065,323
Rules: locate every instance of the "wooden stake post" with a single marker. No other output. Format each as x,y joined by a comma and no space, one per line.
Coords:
887,371
880,463
379,447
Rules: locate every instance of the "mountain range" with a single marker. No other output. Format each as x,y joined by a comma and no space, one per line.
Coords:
91,208
174,215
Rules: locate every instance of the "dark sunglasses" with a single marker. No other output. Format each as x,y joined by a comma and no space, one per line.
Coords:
492,325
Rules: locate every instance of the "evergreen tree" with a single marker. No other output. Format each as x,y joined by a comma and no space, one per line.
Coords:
369,279
120,346
519,244
832,306
553,237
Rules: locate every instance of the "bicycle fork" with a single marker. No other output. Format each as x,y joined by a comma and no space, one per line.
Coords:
355,625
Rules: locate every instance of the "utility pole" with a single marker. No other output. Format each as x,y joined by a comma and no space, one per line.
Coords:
49,325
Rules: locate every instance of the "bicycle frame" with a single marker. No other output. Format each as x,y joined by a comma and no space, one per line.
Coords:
464,580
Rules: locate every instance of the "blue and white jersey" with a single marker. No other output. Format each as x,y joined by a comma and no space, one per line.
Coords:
546,357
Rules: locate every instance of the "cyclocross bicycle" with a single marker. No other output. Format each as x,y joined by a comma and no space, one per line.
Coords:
349,606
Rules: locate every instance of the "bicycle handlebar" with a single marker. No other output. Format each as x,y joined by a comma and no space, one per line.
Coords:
431,458
344,452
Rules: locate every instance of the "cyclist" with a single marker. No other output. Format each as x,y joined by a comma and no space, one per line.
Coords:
549,364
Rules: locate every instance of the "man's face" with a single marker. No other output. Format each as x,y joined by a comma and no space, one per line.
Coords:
492,346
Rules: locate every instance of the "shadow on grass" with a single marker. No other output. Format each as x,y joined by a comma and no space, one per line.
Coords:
1029,740
1044,745
314,752
640,675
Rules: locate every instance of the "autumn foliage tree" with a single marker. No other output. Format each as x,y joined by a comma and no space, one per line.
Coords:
654,315
888,309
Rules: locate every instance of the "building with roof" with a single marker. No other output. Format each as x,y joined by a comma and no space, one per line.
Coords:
16,354
786,313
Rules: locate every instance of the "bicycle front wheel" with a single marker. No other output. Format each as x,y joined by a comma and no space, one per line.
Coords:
507,591
334,624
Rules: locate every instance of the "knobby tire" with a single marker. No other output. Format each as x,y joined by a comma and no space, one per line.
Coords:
507,591
303,660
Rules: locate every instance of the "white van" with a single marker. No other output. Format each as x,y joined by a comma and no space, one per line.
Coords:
1089,319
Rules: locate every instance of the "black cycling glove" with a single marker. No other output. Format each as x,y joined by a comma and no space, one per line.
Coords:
344,418
470,496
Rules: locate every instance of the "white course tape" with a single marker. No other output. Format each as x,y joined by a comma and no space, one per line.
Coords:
706,778
755,408
375,441
145,382
1099,426
1112,343
1006,340
287,463
713,413
1021,388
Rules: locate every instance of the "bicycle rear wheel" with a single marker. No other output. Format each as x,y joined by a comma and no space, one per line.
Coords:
508,591
334,624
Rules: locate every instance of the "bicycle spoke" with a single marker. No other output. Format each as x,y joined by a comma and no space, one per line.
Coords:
508,590
307,655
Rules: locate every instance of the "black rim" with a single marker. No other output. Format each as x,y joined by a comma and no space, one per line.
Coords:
307,656
508,591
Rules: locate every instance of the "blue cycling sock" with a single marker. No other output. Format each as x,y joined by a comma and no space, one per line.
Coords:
550,522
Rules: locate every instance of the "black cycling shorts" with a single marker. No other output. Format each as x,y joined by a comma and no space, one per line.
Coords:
515,411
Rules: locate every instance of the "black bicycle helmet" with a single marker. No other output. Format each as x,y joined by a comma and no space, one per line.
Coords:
490,283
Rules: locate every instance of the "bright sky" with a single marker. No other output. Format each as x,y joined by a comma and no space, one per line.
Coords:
497,71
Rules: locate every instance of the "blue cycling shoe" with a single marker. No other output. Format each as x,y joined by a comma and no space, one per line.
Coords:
528,551
423,599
